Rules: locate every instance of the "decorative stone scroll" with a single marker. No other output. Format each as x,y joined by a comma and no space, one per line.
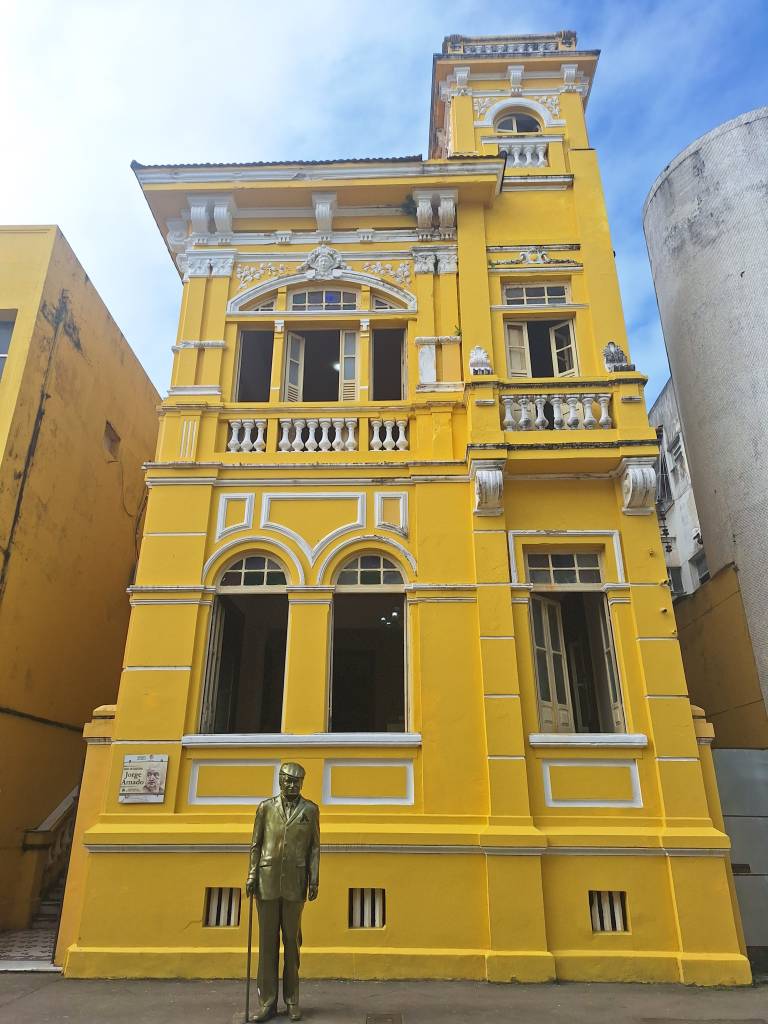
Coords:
489,487
638,486
400,273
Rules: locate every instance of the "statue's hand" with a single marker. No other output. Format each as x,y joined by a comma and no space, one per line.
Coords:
312,894
250,887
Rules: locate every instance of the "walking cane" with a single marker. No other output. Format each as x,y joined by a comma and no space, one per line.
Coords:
248,964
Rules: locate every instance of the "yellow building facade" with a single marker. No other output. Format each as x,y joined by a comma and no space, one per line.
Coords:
401,529
77,420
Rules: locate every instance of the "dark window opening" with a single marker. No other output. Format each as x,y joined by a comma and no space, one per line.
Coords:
321,366
255,366
540,348
387,365
518,123
368,686
6,330
576,671
246,664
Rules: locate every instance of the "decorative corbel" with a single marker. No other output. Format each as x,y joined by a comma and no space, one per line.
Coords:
515,72
461,77
480,362
224,209
325,207
424,213
446,212
638,486
488,476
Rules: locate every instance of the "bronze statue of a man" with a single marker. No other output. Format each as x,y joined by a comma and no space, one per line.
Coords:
284,872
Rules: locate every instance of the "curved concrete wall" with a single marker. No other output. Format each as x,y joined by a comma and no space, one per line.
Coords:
706,226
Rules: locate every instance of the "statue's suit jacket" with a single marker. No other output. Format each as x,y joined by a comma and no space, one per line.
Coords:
285,852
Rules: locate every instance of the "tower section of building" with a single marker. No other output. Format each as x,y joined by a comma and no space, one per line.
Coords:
401,529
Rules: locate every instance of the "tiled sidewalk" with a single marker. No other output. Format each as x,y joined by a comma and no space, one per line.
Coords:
30,949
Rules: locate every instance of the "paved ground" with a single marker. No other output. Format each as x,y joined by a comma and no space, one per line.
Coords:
51,999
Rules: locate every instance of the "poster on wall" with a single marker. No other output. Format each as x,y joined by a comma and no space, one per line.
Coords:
143,779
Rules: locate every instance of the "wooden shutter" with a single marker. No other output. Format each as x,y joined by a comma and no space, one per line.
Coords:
611,673
294,368
518,356
555,711
563,352
212,663
348,367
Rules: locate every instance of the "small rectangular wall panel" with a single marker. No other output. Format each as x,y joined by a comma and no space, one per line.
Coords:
591,783
232,782
368,782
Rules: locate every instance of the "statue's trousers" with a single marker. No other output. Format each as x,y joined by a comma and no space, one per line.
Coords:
276,916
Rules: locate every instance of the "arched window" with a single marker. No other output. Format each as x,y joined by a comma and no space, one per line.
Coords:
317,299
369,650
518,122
245,663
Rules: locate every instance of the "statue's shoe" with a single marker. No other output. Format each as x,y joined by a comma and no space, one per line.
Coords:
265,1013
294,1012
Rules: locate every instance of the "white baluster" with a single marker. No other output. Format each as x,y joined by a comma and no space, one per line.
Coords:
389,441
605,416
247,444
351,444
338,441
516,154
589,418
325,441
529,154
298,440
311,445
402,435
541,420
541,154
526,423
285,442
260,444
234,440
557,410
508,423
376,435
573,412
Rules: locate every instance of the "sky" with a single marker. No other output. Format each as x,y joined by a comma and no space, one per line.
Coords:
88,86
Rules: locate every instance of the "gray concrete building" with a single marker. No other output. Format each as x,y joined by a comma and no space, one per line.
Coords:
706,226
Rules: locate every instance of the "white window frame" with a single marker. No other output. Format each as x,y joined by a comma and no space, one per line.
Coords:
295,350
514,326
324,307
553,714
527,303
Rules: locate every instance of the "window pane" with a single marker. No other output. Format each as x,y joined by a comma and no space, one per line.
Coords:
554,632
230,579
370,562
587,559
589,575
562,561
557,666
535,296
6,327
391,576
542,674
538,625
538,561
514,296
564,360
565,575
253,579
526,123
349,367
349,344
275,579
370,576
388,564
256,562
557,293
348,577
540,576
293,373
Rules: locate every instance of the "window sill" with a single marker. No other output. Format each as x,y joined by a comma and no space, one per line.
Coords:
317,739
588,739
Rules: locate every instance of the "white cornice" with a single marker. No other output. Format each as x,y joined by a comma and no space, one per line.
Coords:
308,172
587,739
320,739
536,182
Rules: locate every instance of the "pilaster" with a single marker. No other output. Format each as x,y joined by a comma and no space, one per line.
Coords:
307,669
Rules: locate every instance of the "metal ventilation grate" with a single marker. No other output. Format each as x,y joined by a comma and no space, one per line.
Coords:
367,908
608,910
222,908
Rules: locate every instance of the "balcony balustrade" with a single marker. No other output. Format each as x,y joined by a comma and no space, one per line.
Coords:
526,152
556,410
322,435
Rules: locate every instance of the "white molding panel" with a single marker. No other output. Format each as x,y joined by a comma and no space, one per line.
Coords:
269,498
194,799
367,801
635,801
221,529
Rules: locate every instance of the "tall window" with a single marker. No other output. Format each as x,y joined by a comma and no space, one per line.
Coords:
368,673
255,366
245,664
540,348
577,679
387,365
321,366
6,329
